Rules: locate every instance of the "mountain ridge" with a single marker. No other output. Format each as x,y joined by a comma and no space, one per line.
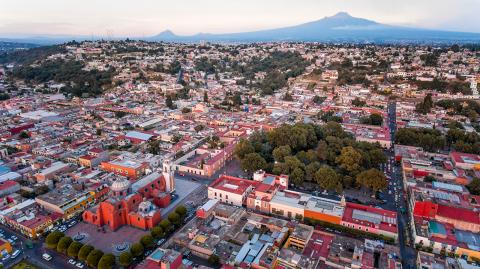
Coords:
339,27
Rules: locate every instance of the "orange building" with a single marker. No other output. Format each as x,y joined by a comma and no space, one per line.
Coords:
5,247
132,211
128,168
135,204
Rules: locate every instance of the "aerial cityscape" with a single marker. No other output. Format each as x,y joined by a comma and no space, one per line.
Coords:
345,141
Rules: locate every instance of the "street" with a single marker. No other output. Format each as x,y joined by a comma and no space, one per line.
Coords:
397,192
34,255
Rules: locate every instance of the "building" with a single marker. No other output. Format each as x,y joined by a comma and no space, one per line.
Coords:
27,218
231,190
8,187
136,204
162,259
50,172
289,204
370,219
93,158
66,201
324,209
5,247
300,236
129,168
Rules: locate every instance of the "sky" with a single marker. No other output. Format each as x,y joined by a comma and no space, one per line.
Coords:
142,18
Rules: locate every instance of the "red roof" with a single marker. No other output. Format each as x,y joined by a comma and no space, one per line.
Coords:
35,222
233,184
383,225
425,209
318,245
458,213
458,157
7,184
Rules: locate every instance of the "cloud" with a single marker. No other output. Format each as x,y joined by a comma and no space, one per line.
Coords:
148,17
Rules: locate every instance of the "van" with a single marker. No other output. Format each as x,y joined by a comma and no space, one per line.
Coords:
15,254
46,256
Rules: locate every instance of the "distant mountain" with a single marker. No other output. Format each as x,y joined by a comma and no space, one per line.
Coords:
338,28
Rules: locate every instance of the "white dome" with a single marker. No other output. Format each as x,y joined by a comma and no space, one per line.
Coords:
120,185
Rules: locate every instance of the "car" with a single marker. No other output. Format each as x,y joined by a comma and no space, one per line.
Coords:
79,265
161,241
10,240
5,257
14,237
15,254
46,256
72,261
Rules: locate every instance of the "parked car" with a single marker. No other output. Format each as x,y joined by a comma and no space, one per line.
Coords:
79,265
46,256
16,253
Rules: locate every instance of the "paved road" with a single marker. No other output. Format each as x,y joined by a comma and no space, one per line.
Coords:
34,255
396,188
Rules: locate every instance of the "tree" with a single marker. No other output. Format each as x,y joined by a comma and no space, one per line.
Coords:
253,162
318,100
205,97
328,179
243,148
181,210
107,261
63,244
157,232
214,260
281,152
154,147
288,97
147,241
372,179
84,252
429,179
125,259
377,157
174,218
169,102
199,127
137,250
358,103
297,176
332,129
311,169
53,238
73,249
376,119
425,106
349,159
166,226
24,135
94,257
474,186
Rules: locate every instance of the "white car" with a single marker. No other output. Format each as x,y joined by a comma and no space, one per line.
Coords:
46,256
79,265
72,261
